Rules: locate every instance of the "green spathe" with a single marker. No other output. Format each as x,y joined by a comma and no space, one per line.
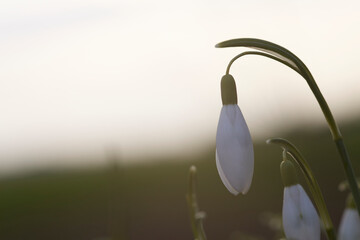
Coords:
288,173
228,90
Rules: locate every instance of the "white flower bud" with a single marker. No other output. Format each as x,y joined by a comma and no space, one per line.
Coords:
350,222
234,150
300,219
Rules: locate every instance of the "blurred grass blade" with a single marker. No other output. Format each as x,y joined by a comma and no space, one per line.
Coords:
196,216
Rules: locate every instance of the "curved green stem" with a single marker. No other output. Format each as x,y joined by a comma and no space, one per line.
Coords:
261,54
312,183
196,216
286,57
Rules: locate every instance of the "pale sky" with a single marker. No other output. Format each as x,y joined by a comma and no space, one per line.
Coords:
143,77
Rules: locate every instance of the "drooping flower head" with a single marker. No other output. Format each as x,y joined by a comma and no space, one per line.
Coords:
234,148
300,219
350,222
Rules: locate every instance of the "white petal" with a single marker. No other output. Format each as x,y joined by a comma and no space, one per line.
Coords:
300,219
234,150
223,177
350,225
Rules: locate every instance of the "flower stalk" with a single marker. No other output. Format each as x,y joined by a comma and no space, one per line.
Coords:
196,216
286,57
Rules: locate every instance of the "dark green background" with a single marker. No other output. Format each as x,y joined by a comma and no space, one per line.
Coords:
147,201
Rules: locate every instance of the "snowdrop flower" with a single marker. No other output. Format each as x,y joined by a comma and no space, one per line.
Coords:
350,222
300,219
234,148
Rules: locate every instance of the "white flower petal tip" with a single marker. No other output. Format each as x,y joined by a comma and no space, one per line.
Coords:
350,225
223,177
234,150
300,219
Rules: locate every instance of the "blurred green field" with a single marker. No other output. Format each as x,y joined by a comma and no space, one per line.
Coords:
147,201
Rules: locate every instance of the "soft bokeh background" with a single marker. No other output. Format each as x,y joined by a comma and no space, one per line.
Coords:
105,104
